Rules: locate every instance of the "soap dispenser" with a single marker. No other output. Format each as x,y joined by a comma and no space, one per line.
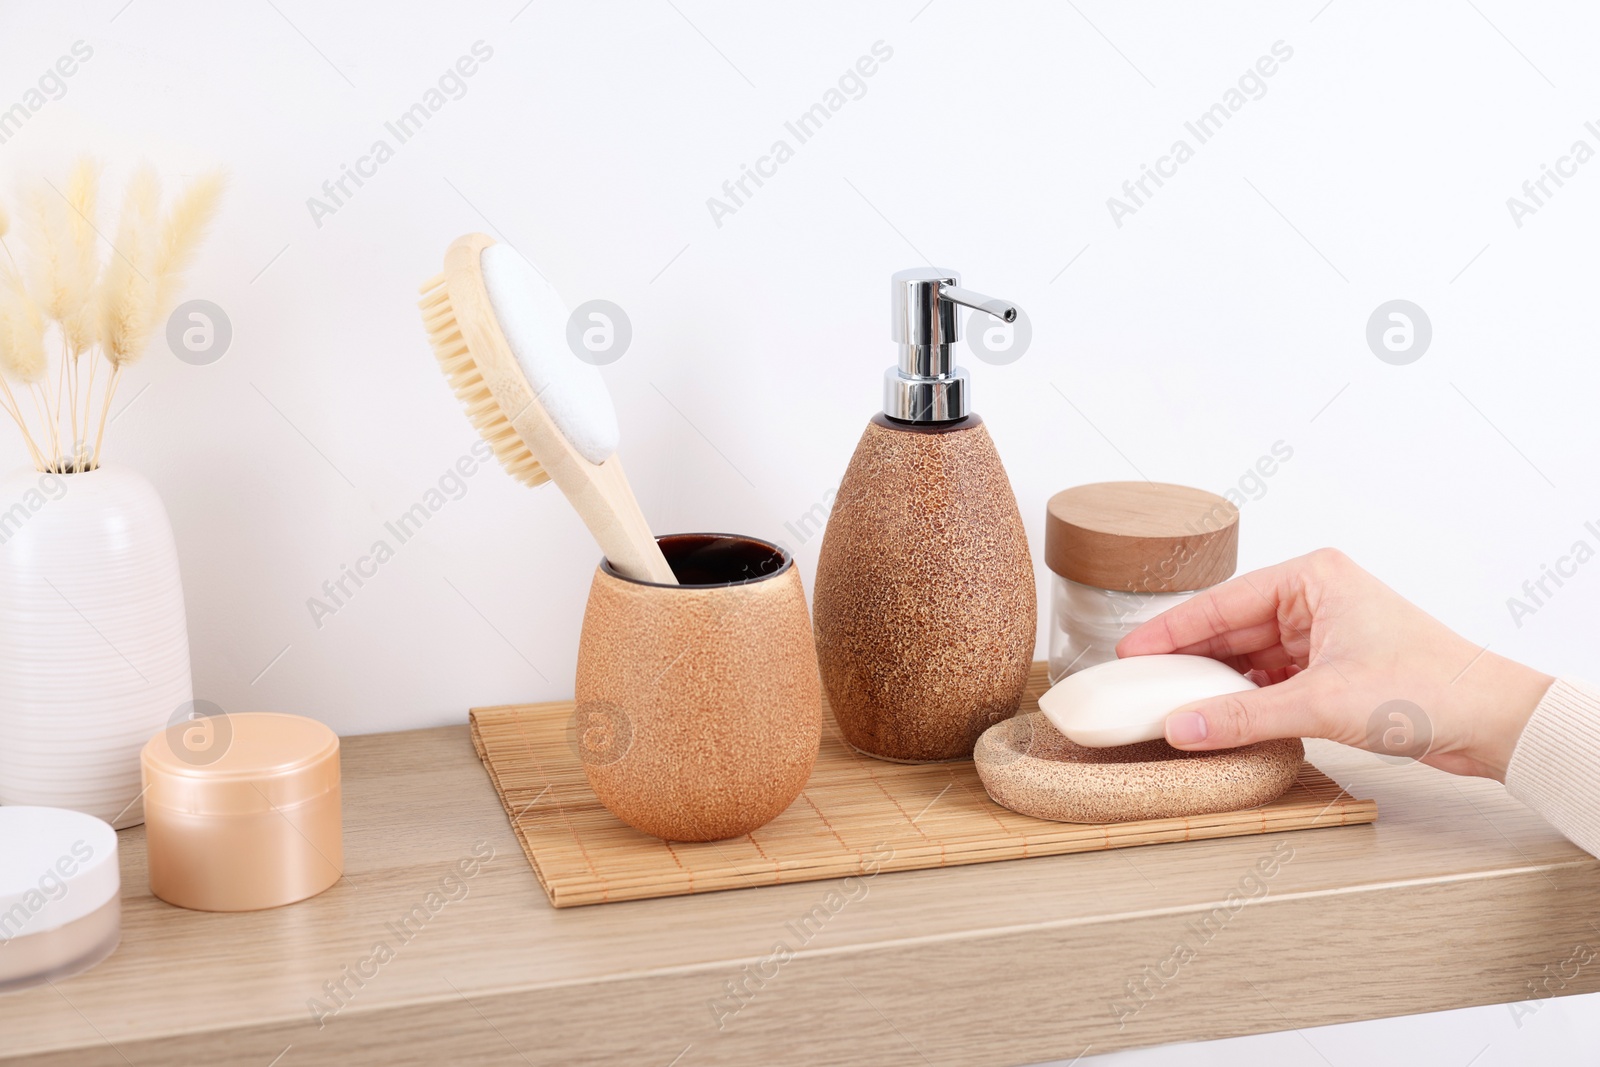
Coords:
924,608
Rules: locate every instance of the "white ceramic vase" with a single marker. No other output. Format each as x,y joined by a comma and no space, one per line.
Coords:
94,648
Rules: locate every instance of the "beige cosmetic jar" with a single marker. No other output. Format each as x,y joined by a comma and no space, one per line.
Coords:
1122,553
60,894
242,811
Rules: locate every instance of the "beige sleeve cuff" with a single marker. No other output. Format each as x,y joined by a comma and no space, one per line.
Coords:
1555,768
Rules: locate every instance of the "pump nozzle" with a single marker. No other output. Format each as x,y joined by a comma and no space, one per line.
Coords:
926,385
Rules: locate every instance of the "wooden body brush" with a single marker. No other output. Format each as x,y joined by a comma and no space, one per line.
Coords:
499,332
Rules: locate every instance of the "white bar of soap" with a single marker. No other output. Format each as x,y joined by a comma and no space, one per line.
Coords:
1128,700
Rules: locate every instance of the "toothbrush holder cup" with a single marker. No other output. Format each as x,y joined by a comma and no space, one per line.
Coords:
699,705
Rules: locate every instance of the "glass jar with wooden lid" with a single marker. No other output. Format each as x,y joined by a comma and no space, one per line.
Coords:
1121,553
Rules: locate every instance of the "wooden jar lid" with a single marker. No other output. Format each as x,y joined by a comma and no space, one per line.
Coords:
1141,537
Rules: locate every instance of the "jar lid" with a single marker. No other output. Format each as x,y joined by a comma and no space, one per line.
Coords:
240,764
1141,537
56,866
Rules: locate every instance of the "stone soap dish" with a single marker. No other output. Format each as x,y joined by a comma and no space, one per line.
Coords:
1028,766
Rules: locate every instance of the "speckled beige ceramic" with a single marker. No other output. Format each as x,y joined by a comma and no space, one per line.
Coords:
699,708
1027,766
925,602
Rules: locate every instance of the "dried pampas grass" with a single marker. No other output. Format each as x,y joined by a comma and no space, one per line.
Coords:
181,233
47,246
9,268
95,297
128,291
81,326
22,353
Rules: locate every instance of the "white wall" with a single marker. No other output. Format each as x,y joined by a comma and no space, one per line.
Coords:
1227,314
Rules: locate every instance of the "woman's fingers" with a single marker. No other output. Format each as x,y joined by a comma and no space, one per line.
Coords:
1244,603
1234,617
1286,709
1275,659
1250,641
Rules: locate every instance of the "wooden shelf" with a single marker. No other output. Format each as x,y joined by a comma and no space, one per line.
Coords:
1457,896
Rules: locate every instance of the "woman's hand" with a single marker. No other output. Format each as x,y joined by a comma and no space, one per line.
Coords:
1341,655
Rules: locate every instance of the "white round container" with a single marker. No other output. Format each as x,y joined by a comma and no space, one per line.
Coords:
60,894
94,647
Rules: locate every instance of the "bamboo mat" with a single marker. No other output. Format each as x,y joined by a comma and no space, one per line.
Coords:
855,811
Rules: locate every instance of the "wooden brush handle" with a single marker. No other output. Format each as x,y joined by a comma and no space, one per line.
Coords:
605,502
600,494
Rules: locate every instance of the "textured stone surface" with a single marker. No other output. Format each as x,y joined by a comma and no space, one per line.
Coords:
1027,766
925,602
699,710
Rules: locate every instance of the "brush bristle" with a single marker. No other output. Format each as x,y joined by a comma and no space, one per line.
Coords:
450,348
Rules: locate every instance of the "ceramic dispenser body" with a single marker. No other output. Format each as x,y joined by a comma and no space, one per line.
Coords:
925,602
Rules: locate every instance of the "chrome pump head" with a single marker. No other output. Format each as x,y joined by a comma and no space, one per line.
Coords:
926,385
